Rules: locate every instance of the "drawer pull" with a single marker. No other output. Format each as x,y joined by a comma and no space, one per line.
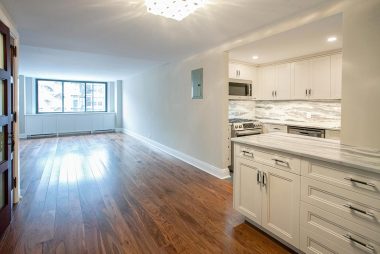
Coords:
358,181
258,176
359,210
245,153
366,245
281,162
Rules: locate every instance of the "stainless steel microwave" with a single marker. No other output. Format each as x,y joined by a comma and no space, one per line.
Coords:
240,89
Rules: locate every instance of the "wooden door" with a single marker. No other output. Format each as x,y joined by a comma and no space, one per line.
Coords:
5,129
247,190
281,198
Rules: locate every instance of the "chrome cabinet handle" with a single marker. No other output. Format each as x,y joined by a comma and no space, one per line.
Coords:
245,153
265,179
275,93
358,181
258,176
281,162
306,92
272,93
366,245
359,210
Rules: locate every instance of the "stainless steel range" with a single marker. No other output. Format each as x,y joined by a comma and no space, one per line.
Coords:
240,128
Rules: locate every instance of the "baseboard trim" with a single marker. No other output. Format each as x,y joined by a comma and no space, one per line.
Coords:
204,166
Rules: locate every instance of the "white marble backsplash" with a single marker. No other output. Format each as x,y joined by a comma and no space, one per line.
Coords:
242,109
288,111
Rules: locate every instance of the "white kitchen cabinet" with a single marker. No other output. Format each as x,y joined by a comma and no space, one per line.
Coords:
283,82
267,82
275,82
336,76
267,195
320,78
280,213
302,79
242,71
247,193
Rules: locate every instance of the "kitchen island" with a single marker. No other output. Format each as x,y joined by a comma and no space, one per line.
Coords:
314,195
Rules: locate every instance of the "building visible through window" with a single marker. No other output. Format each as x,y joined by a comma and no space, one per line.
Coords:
55,96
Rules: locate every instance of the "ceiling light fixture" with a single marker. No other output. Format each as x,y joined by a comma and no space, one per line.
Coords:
331,39
255,57
174,9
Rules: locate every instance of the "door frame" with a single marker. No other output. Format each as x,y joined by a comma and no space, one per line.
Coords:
5,123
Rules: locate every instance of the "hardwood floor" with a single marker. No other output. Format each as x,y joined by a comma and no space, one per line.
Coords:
110,193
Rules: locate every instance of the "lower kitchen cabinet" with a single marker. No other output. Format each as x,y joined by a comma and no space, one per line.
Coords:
247,194
269,197
280,204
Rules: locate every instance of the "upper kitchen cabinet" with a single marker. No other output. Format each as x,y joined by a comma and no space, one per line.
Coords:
242,71
267,82
275,82
302,79
283,81
320,78
336,76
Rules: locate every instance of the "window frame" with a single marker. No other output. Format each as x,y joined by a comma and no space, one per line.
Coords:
63,96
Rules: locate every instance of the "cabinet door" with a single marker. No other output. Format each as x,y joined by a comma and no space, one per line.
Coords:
247,72
283,84
336,76
232,71
247,189
267,82
281,197
302,80
321,78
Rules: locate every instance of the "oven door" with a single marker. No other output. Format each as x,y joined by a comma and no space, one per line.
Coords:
240,89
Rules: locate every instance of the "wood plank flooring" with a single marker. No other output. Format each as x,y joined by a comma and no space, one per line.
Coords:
110,193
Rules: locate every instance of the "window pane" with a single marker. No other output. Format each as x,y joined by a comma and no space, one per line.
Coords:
74,96
49,96
96,97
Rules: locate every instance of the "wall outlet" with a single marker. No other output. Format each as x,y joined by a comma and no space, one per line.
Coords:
308,115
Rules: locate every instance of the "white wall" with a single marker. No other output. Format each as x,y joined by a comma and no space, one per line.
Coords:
157,105
361,74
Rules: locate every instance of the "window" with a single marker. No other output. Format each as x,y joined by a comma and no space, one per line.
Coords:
56,96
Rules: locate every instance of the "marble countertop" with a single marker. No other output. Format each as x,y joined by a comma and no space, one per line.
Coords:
316,148
322,125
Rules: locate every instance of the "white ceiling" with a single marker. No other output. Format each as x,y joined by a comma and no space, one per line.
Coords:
70,65
305,40
123,28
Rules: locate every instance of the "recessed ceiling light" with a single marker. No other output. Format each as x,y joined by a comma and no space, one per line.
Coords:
173,9
255,57
331,39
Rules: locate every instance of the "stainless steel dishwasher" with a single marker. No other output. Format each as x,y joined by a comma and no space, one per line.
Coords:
312,132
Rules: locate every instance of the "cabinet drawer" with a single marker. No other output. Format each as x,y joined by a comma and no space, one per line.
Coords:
353,206
348,178
352,238
313,243
277,160
277,128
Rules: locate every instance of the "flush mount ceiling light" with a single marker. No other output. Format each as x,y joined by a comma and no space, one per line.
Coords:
255,57
174,9
331,39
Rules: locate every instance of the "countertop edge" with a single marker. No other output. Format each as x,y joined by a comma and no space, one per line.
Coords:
306,155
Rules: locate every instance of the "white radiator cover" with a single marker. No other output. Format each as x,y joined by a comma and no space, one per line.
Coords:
42,124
